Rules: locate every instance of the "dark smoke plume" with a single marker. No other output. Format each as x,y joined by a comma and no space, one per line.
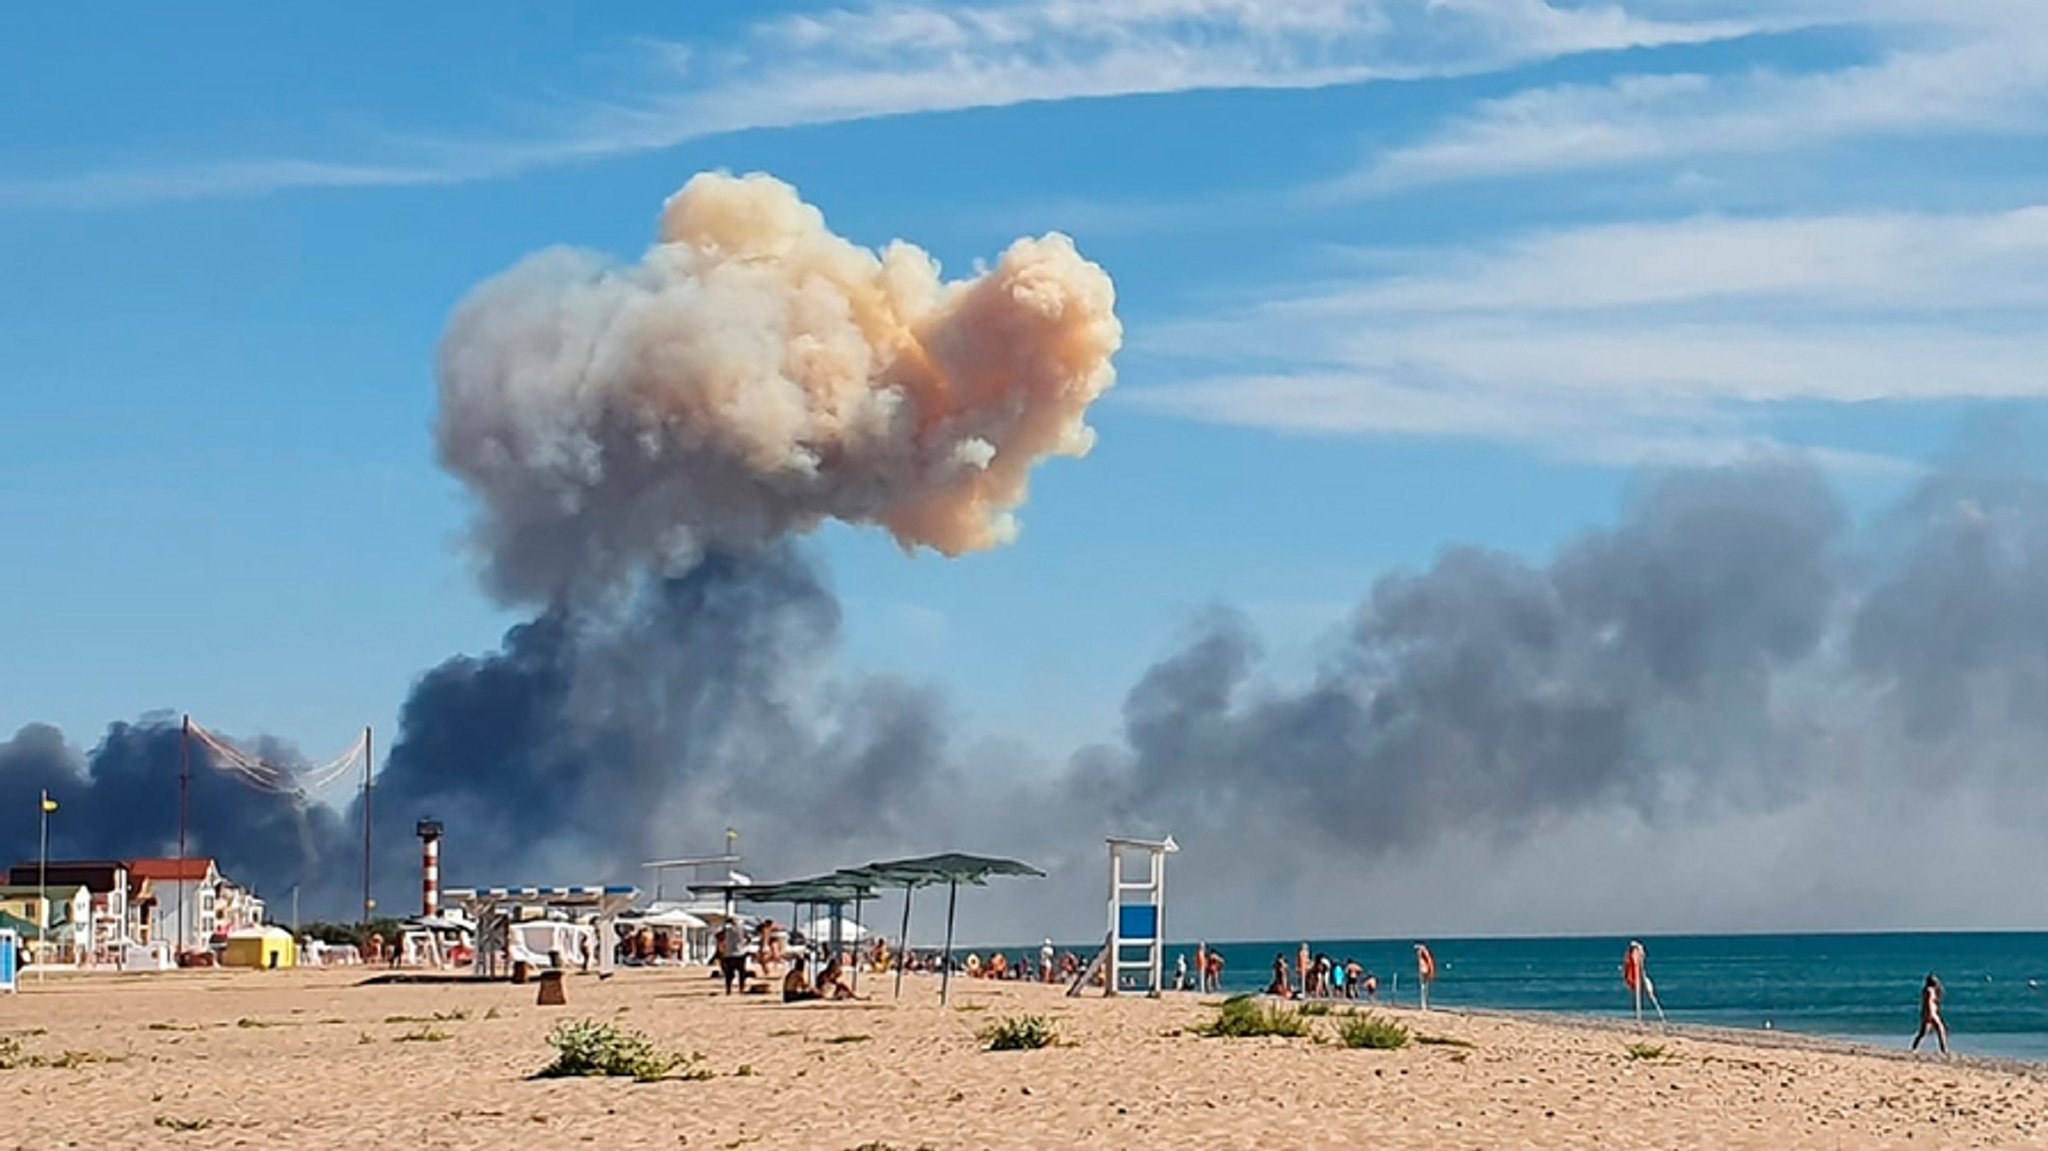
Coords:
595,740
120,801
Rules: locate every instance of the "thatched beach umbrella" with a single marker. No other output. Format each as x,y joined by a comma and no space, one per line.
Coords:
951,869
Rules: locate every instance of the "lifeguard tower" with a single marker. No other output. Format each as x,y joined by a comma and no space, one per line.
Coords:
1137,916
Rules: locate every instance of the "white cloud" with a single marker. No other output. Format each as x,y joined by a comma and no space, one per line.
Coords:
899,59
1619,343
1979,66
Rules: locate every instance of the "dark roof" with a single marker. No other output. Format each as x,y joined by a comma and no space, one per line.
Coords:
96,874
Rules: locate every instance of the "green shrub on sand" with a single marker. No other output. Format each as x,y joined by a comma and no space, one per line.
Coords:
1244,1017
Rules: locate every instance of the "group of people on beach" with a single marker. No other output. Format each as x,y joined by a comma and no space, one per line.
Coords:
1050,965
1318,976
745,956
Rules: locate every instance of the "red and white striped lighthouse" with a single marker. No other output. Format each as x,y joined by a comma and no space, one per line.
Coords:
430,867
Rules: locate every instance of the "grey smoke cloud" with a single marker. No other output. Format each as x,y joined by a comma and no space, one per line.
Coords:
1730,709
1635,668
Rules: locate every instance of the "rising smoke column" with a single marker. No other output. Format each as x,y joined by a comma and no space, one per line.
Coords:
752,375
642,443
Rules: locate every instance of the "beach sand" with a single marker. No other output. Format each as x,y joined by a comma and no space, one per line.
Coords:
315,1059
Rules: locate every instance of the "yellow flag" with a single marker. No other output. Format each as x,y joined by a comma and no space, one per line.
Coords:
49,804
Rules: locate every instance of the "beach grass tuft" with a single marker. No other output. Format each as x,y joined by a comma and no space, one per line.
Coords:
78,1059
1442,1041
1314,1010
1244,1017
1019,1033
588,1047
1372,1032
437,1017
12,1056
1647,1052
424,1033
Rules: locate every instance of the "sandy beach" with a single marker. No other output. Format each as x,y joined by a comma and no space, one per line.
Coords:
317,1059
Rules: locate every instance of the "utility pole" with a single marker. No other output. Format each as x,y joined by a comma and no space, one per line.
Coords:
184,804
369,767
295,911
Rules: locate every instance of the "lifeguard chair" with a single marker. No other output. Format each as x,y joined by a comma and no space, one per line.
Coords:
1137,916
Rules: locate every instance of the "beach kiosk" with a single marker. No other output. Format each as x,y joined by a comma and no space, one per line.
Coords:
1137,913
263,948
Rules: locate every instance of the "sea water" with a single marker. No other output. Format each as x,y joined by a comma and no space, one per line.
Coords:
1864,988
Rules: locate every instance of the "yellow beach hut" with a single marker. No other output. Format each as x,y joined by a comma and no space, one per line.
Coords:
261,947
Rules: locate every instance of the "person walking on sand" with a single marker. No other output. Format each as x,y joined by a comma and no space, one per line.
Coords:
1930,1014
732,954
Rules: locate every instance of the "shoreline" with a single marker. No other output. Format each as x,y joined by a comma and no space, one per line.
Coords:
1773,1038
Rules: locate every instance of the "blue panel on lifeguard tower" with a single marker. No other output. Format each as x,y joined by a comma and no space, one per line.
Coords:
1137,921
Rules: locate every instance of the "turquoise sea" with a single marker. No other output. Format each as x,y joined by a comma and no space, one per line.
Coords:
1858,987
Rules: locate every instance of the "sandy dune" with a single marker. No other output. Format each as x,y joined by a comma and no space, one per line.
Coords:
311,1059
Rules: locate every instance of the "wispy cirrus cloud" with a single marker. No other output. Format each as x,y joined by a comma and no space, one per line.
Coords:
1975,65
1672,341
845,64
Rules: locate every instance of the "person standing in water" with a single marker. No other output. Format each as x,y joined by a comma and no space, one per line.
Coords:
1425,972
1930,1014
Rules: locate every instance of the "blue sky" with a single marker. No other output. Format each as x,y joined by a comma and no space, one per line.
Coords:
1394,275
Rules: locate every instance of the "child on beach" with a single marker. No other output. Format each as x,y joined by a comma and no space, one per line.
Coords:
1930,1014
